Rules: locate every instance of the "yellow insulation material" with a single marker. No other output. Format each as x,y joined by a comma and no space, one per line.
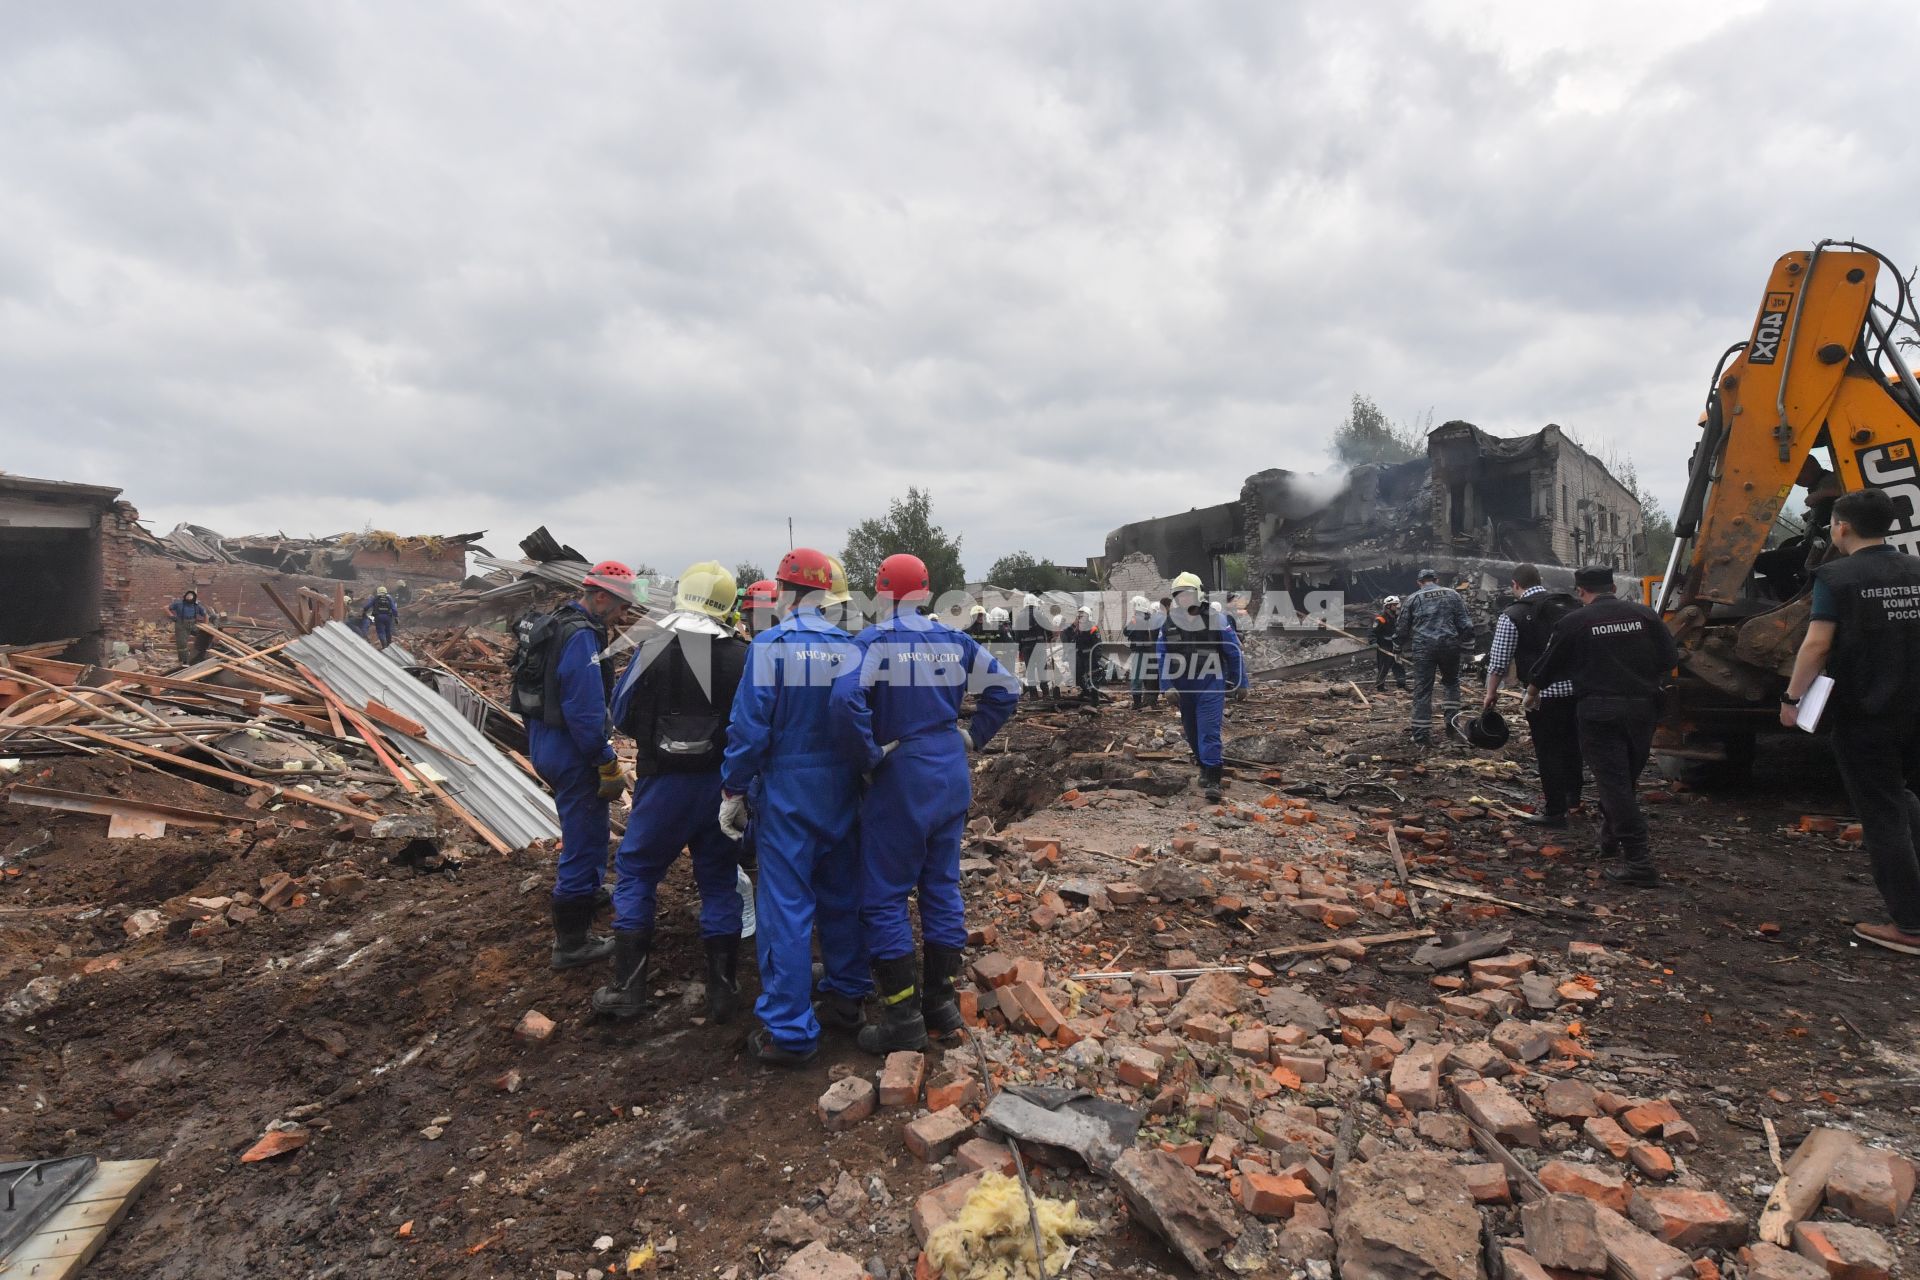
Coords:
992,1238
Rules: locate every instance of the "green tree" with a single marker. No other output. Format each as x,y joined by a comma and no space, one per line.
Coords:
1024,573
746,573
1368,435
908,526
1659,525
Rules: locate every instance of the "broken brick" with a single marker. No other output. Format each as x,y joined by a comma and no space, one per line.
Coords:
1870,1184
1251,1044
1635,1255
1488,1183
1602,1186
1416,1076
1651,1161
901,1077
1767,1262
1846,1252
1650,1119
1497,1111
993,970
1605,1135
1271,1195
977,1155
957,1088
1688,1219
1570,1100
933,1137
1137,1067
941,1205
1510,966
845,1103
534,1027
1207,1028
1364,1018
1564,1231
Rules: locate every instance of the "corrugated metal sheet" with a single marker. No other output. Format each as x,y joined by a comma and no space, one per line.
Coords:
492,788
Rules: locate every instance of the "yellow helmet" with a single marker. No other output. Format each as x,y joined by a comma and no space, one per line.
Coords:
1188,582
839,592
705,588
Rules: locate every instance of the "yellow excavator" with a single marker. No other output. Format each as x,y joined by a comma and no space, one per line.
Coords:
1820,397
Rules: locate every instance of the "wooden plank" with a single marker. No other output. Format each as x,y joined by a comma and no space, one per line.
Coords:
286,793
285,608
382,714
1803,1183
368,734
1365,940
114,806
67,1242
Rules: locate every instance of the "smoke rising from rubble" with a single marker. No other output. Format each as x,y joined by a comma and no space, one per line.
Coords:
1303,494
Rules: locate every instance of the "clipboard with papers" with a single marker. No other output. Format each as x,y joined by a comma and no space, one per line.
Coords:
1813,702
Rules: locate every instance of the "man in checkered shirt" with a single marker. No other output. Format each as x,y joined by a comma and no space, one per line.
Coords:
1519,638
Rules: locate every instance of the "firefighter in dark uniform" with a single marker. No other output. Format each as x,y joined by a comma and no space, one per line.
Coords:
1385,646
1865,630
1618,655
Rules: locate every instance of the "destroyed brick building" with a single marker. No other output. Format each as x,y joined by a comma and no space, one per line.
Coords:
1476,500
78,564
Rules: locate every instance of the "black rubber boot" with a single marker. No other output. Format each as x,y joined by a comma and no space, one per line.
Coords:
573,946
902,1026
761,1044
940,1007
723,977
838,1013
625,995
1634,870
1210,783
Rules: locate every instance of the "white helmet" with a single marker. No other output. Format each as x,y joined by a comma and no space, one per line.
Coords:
1138,604
1394,600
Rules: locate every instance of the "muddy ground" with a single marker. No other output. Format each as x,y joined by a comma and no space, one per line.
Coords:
379,1011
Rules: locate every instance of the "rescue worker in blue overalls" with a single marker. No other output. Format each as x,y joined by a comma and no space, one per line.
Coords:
571,746
898,714
1199,658
673,701
382,614
806,797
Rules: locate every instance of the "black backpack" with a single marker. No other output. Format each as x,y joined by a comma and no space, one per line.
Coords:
1534,619
538,638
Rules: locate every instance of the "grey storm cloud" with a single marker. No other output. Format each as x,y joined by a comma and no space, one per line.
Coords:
662,276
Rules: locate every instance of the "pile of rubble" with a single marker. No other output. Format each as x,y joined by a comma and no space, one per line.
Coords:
1450,1111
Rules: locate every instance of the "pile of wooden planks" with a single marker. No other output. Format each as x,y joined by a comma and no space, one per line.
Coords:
247,718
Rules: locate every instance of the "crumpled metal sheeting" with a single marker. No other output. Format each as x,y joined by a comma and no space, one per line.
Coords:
493,789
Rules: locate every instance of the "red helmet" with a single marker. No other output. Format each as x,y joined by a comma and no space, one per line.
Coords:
763,594
805,568
613,578
902,577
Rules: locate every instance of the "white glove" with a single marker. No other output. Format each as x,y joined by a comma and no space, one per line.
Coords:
733,816
886,751
965,736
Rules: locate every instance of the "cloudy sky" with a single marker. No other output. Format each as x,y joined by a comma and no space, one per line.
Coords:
661,276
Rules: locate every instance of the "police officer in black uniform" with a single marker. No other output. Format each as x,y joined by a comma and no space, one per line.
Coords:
1865,630
1618,654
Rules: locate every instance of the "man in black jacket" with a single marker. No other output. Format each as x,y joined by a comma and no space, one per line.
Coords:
1618,655
673,701
1865,630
